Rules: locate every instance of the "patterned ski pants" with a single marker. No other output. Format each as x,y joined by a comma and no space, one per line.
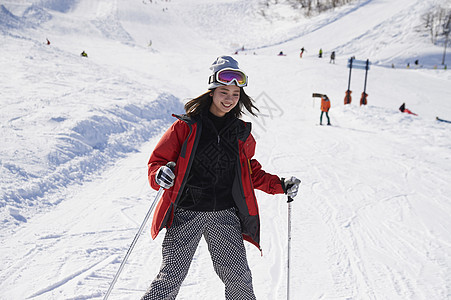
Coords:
222,232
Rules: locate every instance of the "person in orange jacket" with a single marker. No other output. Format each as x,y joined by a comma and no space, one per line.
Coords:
325,106
210,191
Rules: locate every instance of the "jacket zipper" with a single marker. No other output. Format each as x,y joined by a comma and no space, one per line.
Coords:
250,180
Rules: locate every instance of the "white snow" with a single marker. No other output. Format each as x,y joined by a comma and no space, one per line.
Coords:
372,218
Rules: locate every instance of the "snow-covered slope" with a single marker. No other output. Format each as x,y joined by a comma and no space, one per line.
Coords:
372,217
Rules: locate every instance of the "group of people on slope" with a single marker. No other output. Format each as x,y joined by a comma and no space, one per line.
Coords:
320,54
332,55
82,54
325,107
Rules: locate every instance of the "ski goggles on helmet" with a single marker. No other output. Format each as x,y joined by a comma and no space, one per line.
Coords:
229,76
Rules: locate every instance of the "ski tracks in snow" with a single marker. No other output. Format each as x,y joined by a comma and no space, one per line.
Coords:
365,209
77,248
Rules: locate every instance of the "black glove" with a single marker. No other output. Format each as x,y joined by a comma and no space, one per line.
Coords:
165,177
290,186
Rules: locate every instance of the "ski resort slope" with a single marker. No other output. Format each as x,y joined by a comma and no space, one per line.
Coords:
378,30
371,220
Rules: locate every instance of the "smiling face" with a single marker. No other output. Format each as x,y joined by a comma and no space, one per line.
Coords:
225,98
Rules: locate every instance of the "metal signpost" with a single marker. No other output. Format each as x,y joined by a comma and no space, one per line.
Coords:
358,64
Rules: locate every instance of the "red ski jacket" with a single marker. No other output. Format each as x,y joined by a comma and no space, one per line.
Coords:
179,144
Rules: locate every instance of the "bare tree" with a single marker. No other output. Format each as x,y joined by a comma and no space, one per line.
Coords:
436,22
310,7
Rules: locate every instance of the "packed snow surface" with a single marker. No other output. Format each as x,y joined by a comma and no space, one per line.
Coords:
372,217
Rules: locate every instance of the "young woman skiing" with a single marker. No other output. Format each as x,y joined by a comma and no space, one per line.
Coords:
210,191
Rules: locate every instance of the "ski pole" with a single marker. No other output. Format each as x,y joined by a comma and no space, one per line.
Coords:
289,246
135,240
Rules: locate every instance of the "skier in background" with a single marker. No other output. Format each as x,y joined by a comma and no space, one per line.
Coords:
325,106
332,57
403,109
320,55
210,192
83,54
302,52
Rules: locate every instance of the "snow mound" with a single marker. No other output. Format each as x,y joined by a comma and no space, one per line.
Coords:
86,148
7,19
62,6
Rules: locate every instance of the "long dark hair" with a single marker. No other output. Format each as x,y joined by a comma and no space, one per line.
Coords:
199,104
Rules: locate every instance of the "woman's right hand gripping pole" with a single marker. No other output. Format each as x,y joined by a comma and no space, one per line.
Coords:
165,175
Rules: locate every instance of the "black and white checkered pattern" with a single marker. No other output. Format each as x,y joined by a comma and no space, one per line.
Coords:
222,233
